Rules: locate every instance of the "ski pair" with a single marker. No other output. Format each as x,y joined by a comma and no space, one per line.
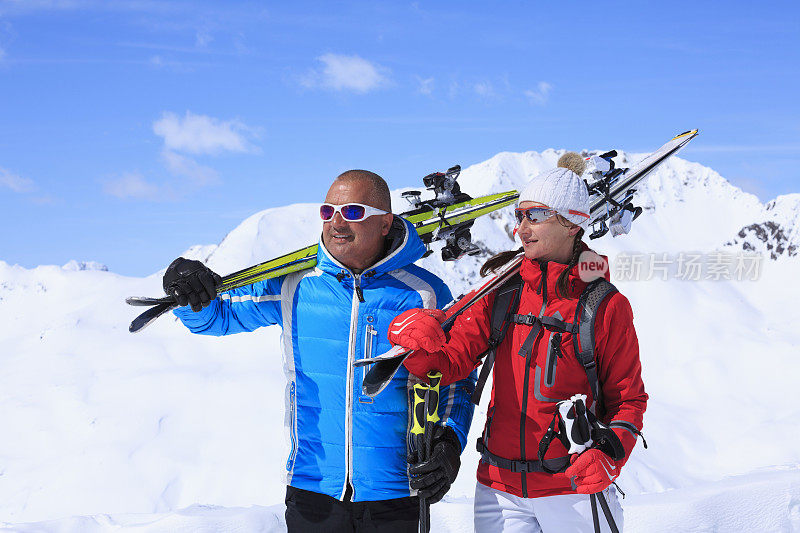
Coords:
446,217
610,194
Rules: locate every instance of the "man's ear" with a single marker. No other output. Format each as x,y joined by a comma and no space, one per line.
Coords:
387,224
574,230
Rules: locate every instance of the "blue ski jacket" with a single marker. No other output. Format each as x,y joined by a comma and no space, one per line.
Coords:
338,435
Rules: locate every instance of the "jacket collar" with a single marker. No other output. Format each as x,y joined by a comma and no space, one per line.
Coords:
403,248
533,272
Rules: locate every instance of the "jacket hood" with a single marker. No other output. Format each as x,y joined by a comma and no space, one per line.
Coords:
403,247
534,272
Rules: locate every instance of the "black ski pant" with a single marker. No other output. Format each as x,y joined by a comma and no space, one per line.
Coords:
312,512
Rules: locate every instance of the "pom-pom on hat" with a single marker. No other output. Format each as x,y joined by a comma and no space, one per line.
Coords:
562,189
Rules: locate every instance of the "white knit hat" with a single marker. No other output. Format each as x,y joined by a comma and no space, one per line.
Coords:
562,189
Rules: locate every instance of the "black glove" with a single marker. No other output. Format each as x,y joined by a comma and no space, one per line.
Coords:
432,478
191,282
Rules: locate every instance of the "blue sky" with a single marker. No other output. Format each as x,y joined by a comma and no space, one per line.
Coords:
134,129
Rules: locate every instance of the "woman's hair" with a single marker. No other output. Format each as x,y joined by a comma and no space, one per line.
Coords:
497,261
561,283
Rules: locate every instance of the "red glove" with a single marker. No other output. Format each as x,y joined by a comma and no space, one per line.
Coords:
592,471
418,329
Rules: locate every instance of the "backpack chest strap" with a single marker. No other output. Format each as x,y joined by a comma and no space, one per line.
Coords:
550,323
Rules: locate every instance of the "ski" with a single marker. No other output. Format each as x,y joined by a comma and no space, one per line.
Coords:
609,195
387,364
147,301
448,217
614,190
146,318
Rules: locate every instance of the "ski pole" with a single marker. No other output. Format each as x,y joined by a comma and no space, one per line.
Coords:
417,435
606,511
598,496
425,415
595,518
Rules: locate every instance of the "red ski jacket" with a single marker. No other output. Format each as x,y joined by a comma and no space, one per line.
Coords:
524,397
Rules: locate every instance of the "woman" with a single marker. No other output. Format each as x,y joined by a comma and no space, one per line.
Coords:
536,366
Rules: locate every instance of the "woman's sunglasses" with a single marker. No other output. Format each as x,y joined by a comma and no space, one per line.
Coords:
534,214
349,212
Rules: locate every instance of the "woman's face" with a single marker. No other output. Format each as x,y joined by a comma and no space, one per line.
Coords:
550,240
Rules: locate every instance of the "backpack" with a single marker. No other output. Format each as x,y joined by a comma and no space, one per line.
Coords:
504,310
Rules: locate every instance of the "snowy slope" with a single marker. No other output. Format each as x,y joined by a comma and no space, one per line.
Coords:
104,424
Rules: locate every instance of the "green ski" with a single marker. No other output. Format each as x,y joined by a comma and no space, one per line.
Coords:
448,216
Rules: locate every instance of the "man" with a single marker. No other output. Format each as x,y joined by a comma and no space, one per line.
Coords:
347,468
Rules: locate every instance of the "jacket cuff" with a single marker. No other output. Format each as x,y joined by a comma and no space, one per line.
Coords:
449,434
627,433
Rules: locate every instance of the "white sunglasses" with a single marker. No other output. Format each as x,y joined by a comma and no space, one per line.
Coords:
349,212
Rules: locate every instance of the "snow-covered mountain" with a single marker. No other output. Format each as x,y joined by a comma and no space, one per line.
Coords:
776,234
100,422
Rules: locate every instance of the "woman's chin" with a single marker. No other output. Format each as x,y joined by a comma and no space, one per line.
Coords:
532,251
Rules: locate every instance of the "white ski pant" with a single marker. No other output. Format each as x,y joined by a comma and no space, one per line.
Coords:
570,513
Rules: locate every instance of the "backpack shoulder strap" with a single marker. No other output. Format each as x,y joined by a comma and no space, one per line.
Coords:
506,302
585,315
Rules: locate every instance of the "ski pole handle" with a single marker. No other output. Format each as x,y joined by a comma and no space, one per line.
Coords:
431,409
418,423
419,411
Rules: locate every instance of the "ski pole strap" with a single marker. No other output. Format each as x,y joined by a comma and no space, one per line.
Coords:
557,464
544,445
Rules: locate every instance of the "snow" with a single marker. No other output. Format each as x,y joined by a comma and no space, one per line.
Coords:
84,265
167,431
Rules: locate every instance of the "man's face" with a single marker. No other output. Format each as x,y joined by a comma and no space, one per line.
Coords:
356,245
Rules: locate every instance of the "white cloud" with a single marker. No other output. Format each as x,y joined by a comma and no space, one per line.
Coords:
132,185
540,95
202,38
425,86
346,73
201,134
194,134
15,182
454,89
484,88
185,166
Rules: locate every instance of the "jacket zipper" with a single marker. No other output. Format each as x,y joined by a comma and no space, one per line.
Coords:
368,338
553,355
524,414
357,287
292,424
351,353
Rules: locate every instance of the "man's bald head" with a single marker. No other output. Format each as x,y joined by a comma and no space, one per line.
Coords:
358,244
375,188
